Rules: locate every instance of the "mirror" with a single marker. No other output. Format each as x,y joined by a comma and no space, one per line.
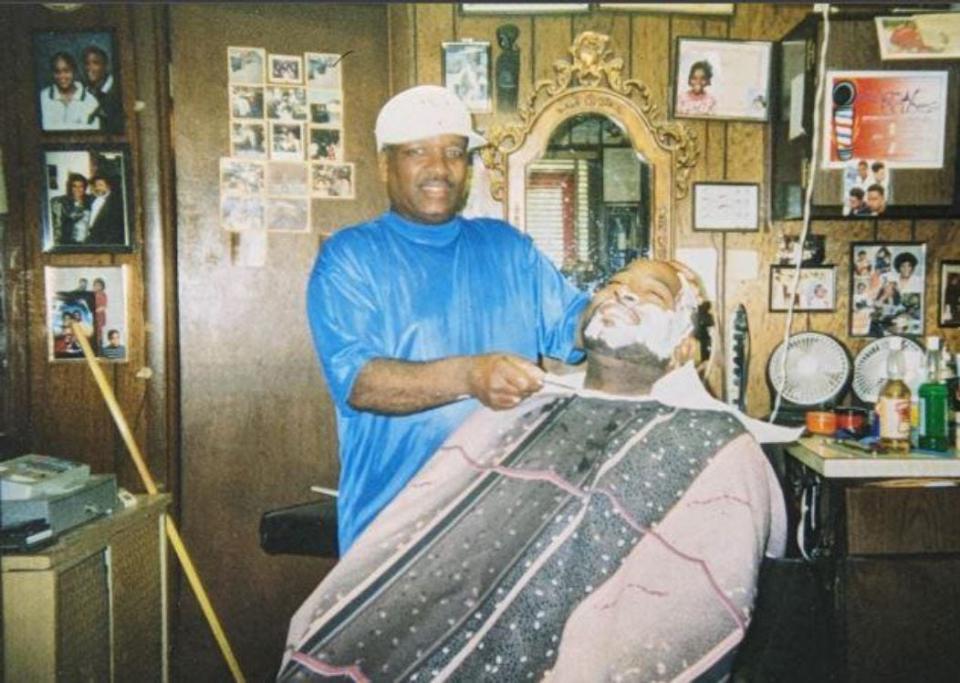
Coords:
593,170
588,200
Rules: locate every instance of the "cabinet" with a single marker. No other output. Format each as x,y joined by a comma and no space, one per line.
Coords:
92,606
890,549
912,189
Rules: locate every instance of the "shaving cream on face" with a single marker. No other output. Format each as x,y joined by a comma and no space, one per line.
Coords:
658,330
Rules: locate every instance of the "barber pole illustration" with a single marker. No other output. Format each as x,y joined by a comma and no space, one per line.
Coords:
844,94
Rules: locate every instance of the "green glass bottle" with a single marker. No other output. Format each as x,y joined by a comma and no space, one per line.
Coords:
934,403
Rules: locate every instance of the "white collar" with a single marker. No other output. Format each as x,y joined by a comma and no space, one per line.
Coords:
682,388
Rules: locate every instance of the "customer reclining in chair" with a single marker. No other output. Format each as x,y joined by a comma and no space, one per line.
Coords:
609,532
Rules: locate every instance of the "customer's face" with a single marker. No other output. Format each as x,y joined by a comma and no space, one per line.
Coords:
875,201
426,178
100,187
641,316
906,269
95,67
63,74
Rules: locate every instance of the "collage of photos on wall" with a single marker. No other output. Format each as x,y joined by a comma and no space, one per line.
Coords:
887,285
86,189
286,140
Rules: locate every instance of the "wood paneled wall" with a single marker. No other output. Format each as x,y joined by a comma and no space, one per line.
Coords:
257,425
736,151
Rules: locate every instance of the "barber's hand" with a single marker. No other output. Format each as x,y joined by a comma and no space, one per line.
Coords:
501,381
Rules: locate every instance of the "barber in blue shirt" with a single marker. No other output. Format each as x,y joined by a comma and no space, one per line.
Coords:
420,313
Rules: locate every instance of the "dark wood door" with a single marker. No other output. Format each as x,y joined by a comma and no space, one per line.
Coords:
257,426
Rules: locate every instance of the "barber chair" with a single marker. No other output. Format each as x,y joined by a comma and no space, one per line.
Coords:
305,529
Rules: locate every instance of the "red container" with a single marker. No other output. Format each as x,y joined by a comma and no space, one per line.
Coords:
822,422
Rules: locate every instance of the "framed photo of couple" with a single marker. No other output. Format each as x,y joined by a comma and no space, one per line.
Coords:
86,198
78,82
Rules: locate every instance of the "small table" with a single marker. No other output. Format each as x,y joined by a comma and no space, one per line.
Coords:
91,606
885,531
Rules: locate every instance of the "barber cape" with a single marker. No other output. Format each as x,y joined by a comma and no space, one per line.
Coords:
579,536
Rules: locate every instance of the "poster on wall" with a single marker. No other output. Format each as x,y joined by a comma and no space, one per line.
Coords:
86,198
94,297
887,285
919,36
894,116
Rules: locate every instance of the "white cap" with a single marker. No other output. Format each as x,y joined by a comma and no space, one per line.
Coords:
422,112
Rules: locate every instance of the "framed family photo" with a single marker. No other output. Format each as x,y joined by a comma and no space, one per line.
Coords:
93,297
816,291
950,294
78,82
466,73
722,79
887,285
726,207
86,198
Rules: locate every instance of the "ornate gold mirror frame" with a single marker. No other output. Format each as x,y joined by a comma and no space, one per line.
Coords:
590,82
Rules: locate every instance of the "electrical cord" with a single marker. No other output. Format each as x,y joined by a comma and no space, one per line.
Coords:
808,199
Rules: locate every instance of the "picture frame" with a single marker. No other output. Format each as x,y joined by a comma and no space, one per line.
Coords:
94,296
241,176
816,292
241,213
286,179
332,180
286,140
285,69
246,102
931,35
325,144
248,139
323,70
789,252
709,8
887,288
86,198
286,103
949,310
77,81
726,207
287,214
523,7
722,79
246,65
859,124
466,73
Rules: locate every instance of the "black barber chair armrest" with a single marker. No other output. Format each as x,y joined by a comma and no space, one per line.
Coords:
305,529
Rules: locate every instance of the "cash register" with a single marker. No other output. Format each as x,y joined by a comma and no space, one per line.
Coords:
42,496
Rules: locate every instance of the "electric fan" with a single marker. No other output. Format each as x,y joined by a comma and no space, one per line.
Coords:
870,367
817,373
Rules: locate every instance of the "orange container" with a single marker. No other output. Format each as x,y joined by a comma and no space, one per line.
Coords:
822,422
